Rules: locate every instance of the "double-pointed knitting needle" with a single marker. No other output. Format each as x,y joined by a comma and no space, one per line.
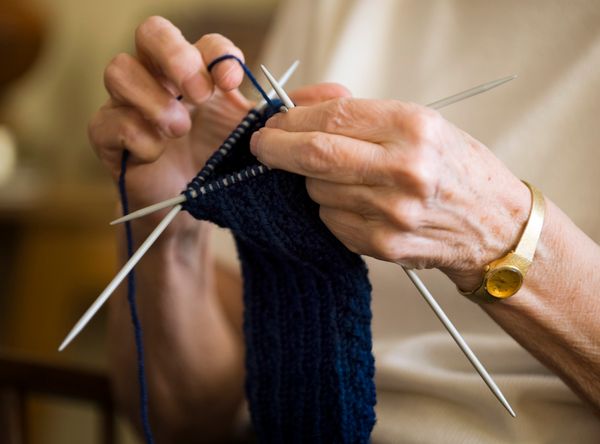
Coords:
411,273
122,274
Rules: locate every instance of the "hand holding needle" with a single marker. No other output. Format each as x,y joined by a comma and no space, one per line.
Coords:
103,297
411,273
135,258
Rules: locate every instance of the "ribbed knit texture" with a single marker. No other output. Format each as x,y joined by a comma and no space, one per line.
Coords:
306,300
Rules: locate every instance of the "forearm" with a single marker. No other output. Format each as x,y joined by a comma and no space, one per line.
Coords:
193,355
556,314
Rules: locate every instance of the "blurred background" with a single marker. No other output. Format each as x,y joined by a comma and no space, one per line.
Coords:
57,251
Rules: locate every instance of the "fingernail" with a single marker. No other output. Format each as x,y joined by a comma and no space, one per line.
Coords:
254,143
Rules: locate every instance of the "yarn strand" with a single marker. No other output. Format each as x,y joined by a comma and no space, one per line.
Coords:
135,320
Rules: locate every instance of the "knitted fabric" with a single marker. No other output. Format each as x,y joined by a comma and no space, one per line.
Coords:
306,299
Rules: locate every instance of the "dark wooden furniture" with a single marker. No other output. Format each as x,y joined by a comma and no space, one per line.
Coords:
21,378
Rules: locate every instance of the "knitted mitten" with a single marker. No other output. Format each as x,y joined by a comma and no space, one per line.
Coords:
306,300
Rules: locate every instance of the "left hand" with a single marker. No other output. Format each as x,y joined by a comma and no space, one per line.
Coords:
398,182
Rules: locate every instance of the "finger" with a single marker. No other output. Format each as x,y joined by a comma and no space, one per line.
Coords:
313,94
162,46
376,203
227,74
353,198
349,228
372,120
113,129
375,238
319,155
129,83
359,199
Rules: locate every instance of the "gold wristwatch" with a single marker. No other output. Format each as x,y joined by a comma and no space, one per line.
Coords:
504,277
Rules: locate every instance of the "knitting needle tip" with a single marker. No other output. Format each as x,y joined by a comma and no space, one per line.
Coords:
119,277
278,88
282,81
455,334
150,209
470,92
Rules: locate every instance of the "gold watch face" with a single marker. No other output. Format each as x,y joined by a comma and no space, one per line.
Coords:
504,282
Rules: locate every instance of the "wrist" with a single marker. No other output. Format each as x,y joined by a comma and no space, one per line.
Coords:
504,276
503,218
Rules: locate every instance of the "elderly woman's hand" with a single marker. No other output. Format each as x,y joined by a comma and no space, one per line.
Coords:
398,182
169,140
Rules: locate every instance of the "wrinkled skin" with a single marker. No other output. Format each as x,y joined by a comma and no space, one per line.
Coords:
398,182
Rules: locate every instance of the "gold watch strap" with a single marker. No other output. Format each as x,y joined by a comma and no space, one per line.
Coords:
533,228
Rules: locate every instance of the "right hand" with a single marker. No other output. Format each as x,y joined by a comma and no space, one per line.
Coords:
169,140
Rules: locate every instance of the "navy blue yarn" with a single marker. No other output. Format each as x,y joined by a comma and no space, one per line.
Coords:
309,367
247,71
262,92
137,326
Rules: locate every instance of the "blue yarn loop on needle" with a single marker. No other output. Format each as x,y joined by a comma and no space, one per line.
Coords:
131,283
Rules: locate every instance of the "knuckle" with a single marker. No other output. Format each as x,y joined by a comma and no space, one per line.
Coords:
419,123
385,245
210,39
416,172
128,135
131,137
422,175
403,214
214,40
336,114
92,129
315,156
184,63
215,45
116,70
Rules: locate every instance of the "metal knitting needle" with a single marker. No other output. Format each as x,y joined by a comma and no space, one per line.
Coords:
458,339
122,274
181,198
470,92
435,105
411,273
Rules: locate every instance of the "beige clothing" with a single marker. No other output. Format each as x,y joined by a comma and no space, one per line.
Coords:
544,126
